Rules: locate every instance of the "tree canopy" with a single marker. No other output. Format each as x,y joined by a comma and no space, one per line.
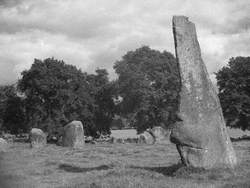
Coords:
104,92
5,93
149,84
57,93
234,92
146,94
11,110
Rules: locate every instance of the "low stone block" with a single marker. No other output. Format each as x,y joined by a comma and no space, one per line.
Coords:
146,138
37,138
73,135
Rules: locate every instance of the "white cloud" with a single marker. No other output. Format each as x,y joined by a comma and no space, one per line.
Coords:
18,51
94,33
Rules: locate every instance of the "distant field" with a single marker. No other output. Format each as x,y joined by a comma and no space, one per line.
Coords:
234,133
127,133
114,166
131,133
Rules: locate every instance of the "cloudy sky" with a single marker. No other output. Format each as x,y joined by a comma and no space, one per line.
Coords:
96,33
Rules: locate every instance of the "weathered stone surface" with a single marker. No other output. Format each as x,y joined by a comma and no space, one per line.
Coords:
37,138
3,145
160,134
73,135
146,138
201,137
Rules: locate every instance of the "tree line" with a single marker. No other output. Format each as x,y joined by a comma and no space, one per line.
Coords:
146,93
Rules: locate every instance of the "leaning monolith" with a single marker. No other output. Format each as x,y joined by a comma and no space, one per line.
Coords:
200,135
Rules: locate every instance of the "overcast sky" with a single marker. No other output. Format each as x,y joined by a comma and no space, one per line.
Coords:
96,33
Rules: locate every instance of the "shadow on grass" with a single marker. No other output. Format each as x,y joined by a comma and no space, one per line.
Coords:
181,171
166,171
76,169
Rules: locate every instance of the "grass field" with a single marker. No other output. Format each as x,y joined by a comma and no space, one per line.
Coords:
114,166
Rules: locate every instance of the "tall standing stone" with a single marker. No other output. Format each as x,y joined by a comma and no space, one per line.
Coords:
200,135
73,135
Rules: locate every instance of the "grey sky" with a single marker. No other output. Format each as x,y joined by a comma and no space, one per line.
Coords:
91,33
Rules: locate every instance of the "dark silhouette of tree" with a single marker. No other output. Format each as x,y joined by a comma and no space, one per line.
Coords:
149,84
234,92
5,92
104,93
12,110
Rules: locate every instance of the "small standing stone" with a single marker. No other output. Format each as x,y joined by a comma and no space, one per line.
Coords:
37,138
146,138
73,135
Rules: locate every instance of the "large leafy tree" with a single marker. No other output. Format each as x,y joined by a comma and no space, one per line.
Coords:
56,93
5,92
149,85
11,110
234,92
104,92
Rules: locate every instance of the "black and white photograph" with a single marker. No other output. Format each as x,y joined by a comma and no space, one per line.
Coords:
124,94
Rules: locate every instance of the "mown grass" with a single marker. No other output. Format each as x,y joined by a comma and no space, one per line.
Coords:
114,166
